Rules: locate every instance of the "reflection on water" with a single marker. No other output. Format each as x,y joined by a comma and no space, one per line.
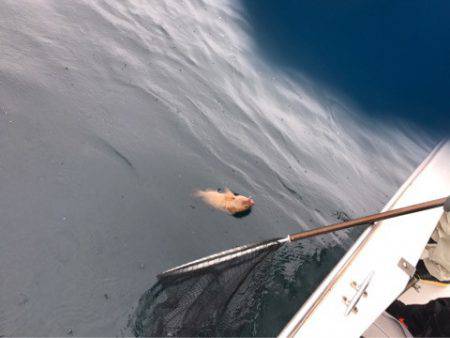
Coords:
113,113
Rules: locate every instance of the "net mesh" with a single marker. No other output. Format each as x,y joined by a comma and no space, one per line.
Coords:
206,302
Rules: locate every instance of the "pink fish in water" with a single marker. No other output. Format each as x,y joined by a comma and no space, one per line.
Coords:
226,201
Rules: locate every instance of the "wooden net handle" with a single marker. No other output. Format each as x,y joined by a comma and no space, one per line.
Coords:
372,218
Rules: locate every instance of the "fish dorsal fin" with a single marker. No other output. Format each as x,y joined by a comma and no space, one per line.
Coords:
229,196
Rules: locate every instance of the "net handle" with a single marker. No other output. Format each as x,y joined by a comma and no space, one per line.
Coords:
371,218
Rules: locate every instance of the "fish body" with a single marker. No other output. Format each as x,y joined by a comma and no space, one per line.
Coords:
225,201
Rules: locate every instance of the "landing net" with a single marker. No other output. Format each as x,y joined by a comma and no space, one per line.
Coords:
204,300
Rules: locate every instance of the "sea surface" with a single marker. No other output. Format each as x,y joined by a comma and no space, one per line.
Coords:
112,113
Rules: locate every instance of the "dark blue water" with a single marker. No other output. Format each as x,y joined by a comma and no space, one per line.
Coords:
391,59
112,113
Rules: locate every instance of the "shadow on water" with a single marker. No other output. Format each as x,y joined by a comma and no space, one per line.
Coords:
242,213
390,58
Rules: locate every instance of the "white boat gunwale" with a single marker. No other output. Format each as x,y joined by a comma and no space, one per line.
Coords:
309,307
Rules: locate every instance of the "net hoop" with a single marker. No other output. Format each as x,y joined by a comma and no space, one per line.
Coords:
221,257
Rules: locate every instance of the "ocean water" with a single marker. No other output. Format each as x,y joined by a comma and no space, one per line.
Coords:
113,113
